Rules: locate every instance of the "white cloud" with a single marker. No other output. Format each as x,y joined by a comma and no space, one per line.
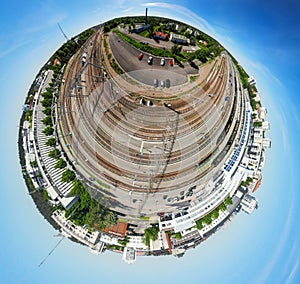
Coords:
264,70
173,7
12,47
293,272
280,247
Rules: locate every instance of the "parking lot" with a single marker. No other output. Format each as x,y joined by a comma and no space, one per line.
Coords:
127,57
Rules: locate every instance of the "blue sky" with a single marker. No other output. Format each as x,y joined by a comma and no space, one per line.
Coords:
262,248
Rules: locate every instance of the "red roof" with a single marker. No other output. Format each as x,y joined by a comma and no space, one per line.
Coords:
257,185
161,34
56,62
169,243
118,230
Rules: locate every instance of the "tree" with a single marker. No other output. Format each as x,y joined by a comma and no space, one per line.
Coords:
48,131
51,142
199,224
207,219
215,213
55,154
68,176
60,164
33,163
46,103
222,207
202,54
151,233
175,49
178,236
100,217
257,123
48,95
124,242
47,120
77,188
47,111
190,56
228,201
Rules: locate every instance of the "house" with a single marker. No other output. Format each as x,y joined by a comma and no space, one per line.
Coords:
118,230
140,28
161,35
56,62
178,39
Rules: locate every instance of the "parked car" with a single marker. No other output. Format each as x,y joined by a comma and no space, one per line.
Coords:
162,84
150,60
140,56
168,83
155,83
171,62
162,62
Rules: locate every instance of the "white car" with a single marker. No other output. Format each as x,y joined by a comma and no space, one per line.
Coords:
162,62
150,59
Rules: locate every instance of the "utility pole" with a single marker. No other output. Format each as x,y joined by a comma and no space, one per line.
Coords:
62,32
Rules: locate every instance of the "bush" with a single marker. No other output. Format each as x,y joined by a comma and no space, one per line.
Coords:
55,154
48,131
46,103
199,224
68,176
47,111
47,120
257,123
51,142
178,236
228,201
60,164
151,233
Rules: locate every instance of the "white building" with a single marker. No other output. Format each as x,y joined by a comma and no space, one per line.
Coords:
265,125
249,204
262,113
266,143
251,81
129,255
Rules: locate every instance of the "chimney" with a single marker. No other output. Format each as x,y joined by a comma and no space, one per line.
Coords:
146,16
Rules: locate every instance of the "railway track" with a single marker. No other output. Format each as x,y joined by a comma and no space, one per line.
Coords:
89,112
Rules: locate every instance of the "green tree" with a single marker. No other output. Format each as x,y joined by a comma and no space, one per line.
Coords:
55,154
68,176
178,236
151,233
48,131
124,242
47,120
257,123
47,111
199,224
207,219
176,49
46,103
202,54
190,56
51,142
60,164
215,213
222,207
33,163
228,201
48,95
100,217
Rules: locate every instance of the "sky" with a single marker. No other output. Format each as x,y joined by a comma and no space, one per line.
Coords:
264,36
